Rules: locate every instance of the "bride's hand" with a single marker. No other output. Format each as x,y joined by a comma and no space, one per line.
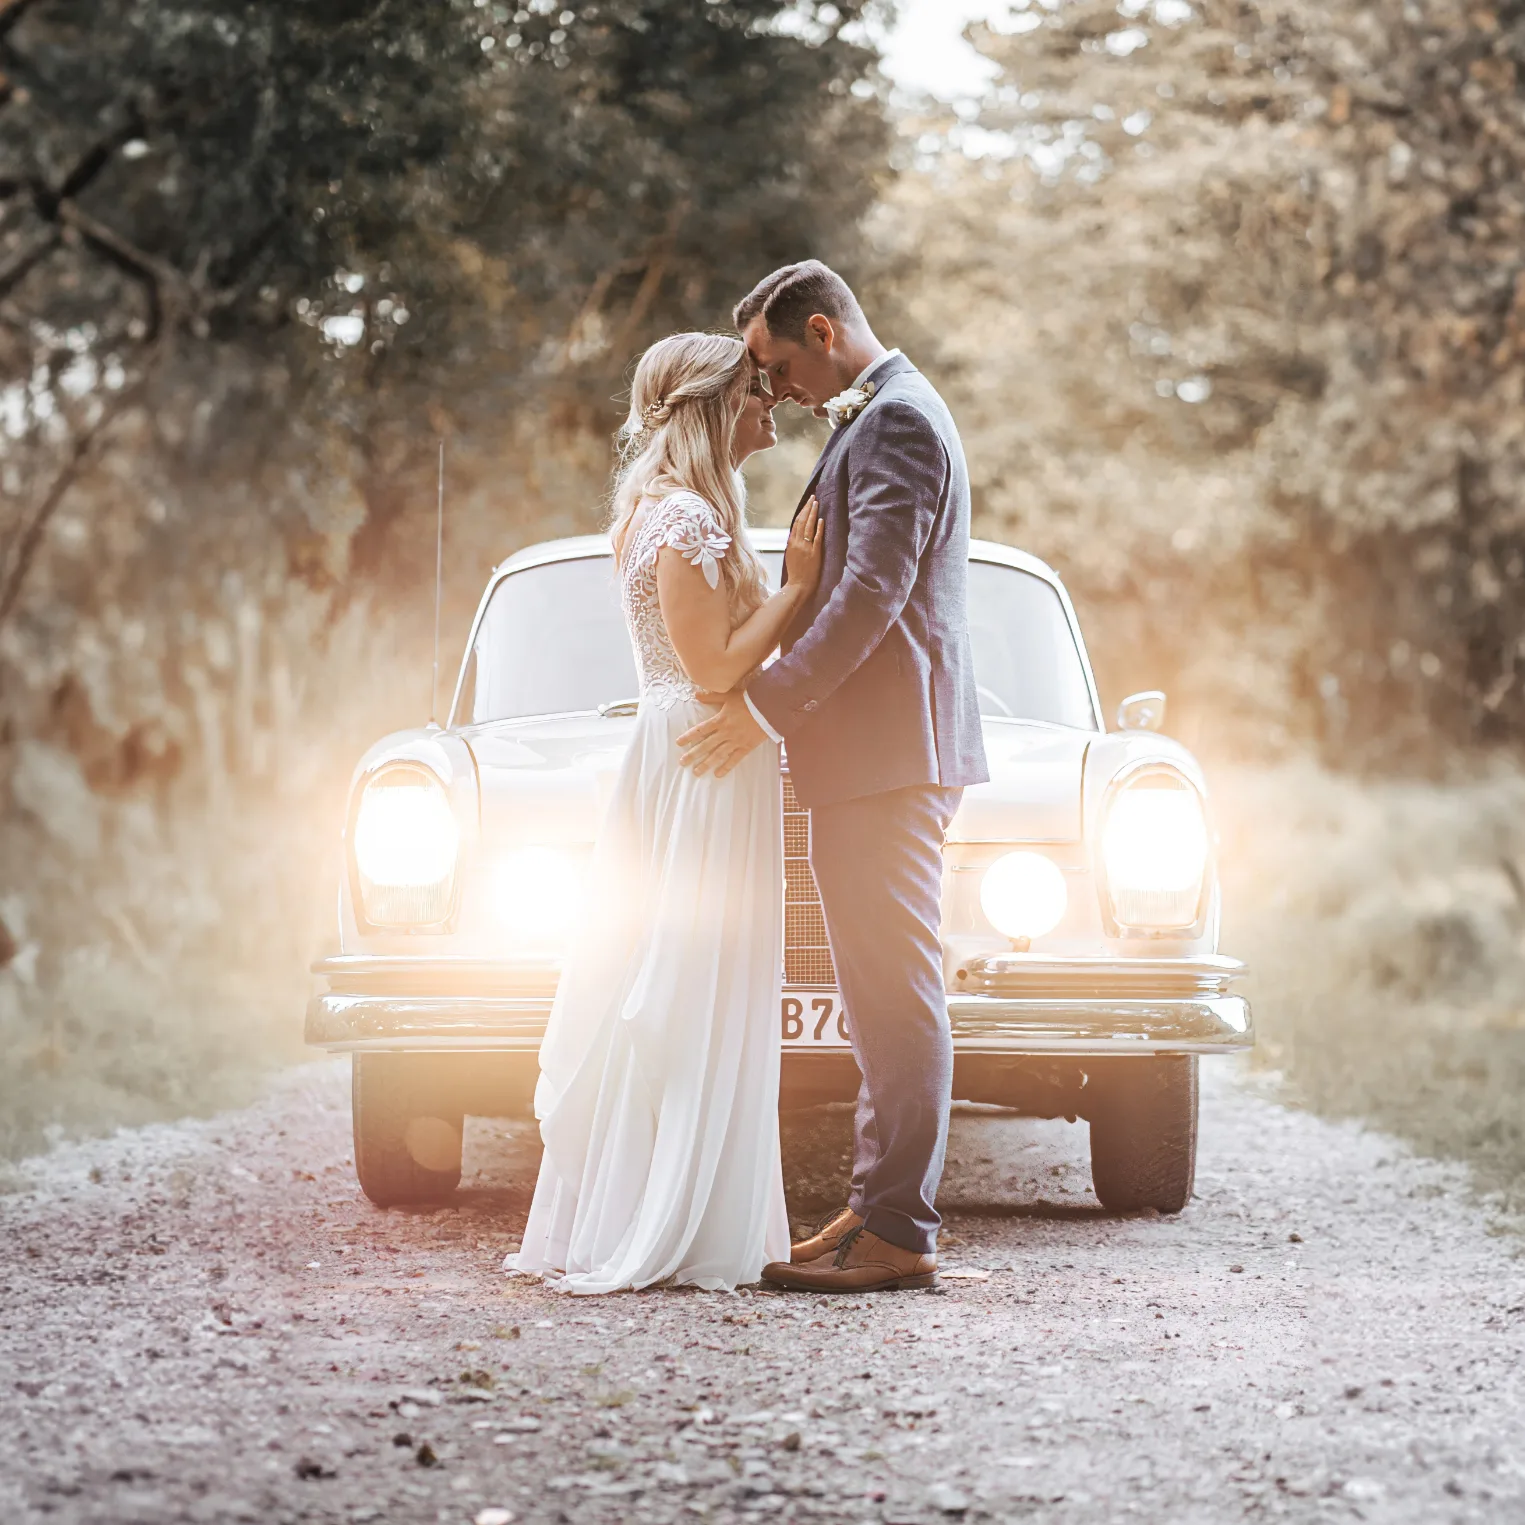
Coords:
806,550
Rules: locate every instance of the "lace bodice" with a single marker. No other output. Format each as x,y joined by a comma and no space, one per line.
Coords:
684,521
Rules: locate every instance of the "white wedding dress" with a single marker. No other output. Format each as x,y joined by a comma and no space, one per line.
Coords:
658,1092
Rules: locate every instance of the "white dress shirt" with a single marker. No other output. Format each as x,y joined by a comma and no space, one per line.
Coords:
858,381
869,369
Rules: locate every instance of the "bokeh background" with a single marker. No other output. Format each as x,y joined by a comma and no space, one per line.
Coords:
1228,300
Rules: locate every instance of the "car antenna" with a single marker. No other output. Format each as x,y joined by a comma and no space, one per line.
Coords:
439,580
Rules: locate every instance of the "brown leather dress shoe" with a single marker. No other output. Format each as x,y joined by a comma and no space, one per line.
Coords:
863,1262
828,1236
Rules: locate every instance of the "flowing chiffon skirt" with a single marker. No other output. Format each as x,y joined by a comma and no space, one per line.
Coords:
658,1091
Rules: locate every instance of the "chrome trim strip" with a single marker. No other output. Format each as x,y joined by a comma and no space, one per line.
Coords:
343,968
434,1045
1061,978
382,963
536,978
336,1022
1089,1049
981,1024
1206,1024
1203,965
1015,844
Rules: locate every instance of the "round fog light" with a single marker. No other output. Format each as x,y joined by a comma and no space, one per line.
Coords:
1024,894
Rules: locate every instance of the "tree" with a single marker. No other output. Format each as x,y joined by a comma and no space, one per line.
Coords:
1237,341
345,211
253,261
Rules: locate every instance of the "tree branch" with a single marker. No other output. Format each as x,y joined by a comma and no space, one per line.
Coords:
79,456
123,252
167,288
97,158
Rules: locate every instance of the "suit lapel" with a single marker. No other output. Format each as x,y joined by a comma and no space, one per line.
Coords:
886,370
821,461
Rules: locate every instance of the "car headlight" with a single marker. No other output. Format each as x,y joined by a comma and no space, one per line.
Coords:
406,846
1024,894
1154,852
535,893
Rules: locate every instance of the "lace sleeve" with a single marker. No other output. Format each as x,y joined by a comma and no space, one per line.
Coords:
686,523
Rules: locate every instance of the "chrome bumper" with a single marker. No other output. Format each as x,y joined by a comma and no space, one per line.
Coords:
1032,1004
1025,1005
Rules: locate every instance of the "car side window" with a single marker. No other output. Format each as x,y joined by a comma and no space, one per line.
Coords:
1027,665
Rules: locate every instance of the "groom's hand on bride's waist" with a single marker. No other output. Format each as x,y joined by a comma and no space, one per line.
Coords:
716,745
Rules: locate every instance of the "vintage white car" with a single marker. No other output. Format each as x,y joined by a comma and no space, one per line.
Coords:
1081,903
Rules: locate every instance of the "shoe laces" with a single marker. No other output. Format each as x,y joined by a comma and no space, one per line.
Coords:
849,1239
830,1218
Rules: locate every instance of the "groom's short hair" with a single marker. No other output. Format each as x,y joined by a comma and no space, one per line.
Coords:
790,297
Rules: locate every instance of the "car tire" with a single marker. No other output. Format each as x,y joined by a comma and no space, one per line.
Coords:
407,1138
1144,1133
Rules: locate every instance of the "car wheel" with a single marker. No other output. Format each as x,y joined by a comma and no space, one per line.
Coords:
407,1139
1144,1132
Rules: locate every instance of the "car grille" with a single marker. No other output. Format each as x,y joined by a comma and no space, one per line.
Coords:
807,954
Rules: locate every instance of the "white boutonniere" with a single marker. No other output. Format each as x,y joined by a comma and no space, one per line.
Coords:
846,406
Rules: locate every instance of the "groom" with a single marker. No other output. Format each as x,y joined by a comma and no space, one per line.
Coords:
874,695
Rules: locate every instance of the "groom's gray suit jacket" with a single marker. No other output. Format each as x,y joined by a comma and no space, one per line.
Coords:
875,687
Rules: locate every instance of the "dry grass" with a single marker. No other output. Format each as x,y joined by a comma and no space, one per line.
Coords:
1385,925
155,979
157,941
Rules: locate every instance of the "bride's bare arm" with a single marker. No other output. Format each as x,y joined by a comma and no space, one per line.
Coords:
698,621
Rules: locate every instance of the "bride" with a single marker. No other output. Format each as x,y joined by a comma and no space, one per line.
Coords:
658,1092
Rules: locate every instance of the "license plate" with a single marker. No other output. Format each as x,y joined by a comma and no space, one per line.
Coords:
814,1019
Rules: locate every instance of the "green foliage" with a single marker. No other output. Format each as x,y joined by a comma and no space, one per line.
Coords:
246,151
676,152
479,200
253,260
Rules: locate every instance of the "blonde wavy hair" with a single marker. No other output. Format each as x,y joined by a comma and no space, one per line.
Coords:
688,394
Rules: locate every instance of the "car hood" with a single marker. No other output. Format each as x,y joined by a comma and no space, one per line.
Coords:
1034,792
548,779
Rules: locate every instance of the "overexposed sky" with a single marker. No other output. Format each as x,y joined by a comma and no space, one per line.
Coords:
926,50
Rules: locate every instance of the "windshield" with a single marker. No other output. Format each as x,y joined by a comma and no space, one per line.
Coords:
552,640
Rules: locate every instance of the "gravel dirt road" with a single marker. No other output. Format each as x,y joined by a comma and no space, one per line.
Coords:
206,1321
